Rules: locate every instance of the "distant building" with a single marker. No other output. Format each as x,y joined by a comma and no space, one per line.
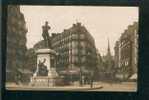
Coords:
117,53
108,64
126,49
16,44
75,46
99,61
100,66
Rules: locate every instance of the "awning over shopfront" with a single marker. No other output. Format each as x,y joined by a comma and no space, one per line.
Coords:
134,77
71,71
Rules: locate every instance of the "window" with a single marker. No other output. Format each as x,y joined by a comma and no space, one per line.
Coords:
82,36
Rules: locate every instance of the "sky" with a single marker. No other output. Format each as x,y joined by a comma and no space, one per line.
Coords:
103,22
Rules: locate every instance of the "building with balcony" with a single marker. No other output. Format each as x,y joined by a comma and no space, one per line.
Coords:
16,44
126,52
75,47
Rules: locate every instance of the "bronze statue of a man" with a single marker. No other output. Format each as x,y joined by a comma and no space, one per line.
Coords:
43,71
45,34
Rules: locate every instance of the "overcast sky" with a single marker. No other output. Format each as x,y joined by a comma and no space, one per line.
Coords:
101,21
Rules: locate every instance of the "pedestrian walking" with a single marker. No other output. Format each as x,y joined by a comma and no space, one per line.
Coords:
91,79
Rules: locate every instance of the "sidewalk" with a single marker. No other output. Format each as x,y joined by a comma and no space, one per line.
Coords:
54,88
97,86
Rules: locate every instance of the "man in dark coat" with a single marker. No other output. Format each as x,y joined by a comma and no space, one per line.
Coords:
45,34
91,78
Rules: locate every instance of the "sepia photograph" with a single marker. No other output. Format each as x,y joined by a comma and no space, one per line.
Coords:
72,48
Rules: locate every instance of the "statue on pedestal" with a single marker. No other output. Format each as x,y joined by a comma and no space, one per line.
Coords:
45,35
45,74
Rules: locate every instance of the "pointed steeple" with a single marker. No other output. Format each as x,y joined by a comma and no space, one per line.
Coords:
108,51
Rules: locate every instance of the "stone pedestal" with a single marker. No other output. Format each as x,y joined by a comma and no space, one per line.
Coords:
47,56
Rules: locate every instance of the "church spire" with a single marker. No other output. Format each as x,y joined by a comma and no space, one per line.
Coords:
109,51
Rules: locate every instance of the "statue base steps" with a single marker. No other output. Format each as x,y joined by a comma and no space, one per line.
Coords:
43,81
